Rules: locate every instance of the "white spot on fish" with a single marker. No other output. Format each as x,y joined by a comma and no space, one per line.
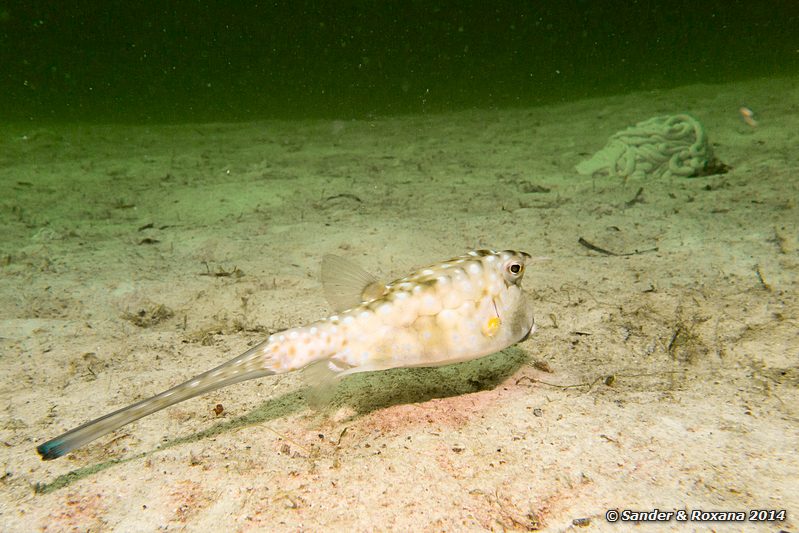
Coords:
446,318
430,305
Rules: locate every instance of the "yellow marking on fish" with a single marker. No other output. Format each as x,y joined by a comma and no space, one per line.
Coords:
457,310
491,327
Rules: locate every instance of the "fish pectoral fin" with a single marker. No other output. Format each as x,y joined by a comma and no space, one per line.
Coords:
346,285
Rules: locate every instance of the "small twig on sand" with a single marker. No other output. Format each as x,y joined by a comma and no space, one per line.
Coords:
609,380
762,281
596,248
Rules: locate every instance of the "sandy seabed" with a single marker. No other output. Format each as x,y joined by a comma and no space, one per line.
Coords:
133,257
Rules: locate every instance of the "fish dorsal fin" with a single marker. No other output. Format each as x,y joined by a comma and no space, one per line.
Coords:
347,285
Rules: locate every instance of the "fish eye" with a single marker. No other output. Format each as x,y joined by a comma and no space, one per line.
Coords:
513,270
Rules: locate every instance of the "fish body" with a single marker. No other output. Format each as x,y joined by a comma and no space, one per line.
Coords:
457,310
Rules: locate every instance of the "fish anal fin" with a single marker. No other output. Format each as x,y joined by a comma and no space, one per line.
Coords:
322,381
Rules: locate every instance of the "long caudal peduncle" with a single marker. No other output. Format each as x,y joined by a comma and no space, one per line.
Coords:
245,366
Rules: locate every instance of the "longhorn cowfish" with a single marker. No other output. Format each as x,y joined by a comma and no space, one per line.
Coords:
457,310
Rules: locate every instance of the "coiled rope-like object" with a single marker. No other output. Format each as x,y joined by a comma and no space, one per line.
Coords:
672,145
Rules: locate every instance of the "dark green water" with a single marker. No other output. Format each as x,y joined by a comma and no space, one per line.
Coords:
199,61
